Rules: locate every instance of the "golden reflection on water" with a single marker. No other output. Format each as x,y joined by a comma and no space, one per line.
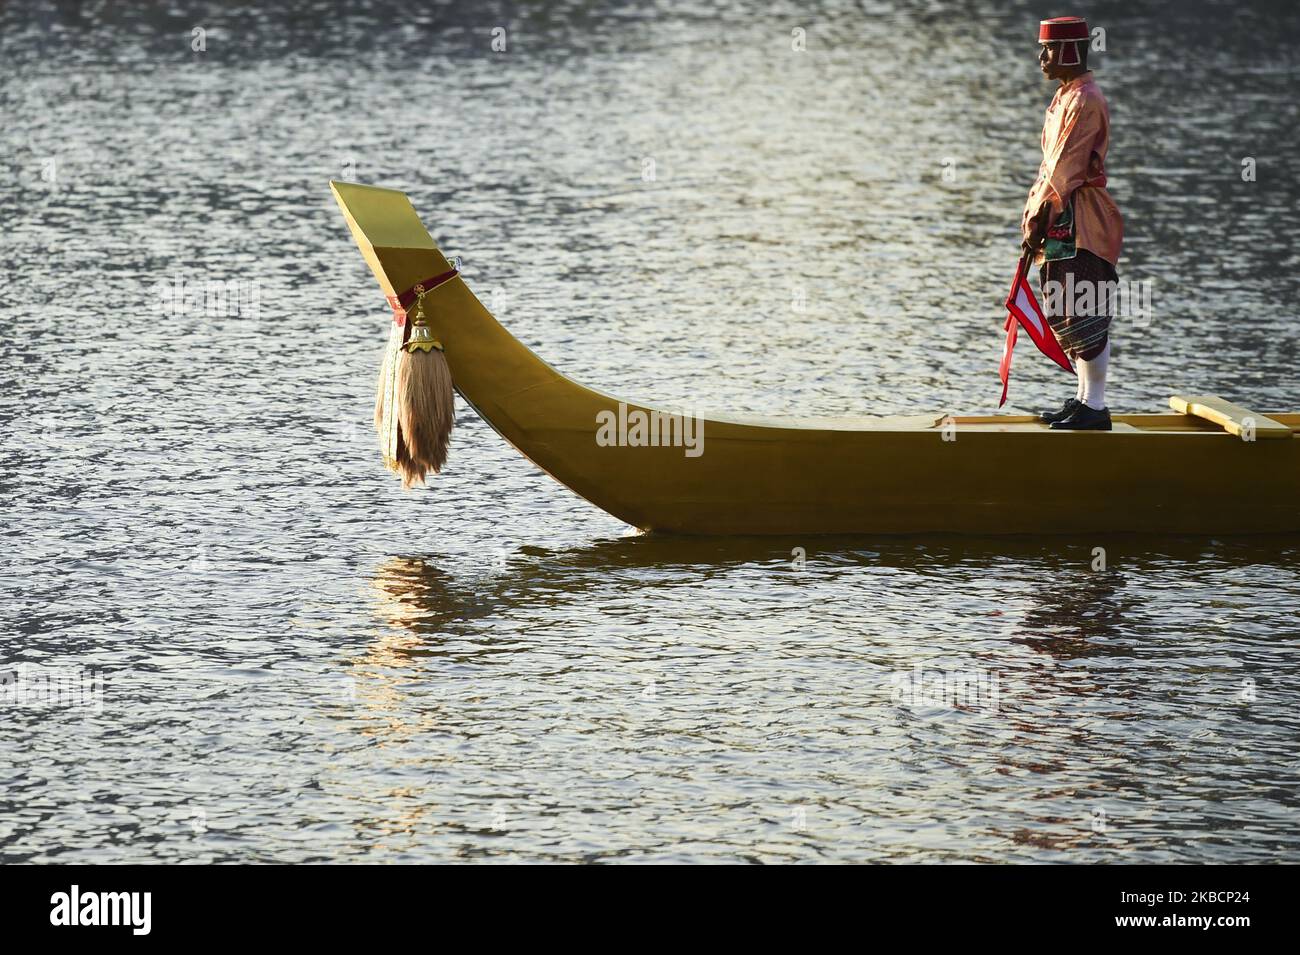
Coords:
401,588
387,711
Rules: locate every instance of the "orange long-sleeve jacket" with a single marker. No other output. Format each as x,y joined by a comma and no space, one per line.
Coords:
1076,136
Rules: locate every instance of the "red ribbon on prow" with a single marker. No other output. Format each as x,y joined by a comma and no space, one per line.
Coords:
400,303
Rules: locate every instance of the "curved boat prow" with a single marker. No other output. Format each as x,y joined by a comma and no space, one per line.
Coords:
665,471
553,421
489,365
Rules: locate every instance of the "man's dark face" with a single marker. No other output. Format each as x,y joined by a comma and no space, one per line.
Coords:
1049,61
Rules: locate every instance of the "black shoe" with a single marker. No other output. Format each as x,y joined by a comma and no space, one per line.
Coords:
1085,419
1051,417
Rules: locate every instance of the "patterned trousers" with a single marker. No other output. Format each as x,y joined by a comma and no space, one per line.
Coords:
1079,301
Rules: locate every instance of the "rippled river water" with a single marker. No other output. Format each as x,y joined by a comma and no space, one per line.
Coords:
300,661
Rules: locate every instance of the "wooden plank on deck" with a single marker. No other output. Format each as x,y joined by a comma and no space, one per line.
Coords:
1230,417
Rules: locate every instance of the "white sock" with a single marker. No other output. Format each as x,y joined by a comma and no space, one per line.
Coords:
1092,375
1078,370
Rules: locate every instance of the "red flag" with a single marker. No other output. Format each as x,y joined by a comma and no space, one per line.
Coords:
1024,310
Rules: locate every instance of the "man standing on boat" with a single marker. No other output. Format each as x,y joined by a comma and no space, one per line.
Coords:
1071,224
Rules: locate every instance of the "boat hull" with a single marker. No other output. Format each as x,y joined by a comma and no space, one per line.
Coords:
962,478
1159,474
